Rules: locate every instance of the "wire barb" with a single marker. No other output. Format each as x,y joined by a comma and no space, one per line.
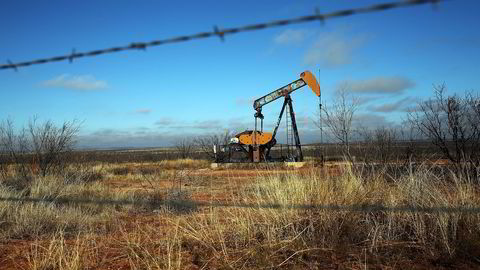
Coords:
70,58
320,16
12,65
221,34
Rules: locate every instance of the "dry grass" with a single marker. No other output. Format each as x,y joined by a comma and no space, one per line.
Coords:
162,251
259,237
60,253
270,237
155,167
184,164
33,220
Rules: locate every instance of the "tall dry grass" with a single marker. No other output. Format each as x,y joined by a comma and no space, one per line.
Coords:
60,253
273,237
263,237
26,220
156,167
184,164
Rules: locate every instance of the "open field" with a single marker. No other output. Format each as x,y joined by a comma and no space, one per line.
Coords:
418,150
164,228
141,135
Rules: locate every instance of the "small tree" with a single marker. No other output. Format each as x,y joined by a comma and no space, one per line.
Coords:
410,137
41,146
378,144
184,147
452,124
206,143
51,144
338,118
14,147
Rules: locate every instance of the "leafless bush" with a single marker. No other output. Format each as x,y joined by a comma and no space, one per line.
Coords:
50,144
409,135
39,148
3,165
170,199
378,144
206,143
14,146
121,170
184,147
81,173
338,118
452,124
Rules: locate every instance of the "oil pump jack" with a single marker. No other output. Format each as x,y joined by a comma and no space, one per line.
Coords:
256,143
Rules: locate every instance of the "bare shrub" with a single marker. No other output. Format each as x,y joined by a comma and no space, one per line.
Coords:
51,144
184,147
378,145
14,146
338,118
123,170
82,174
40,148
206,143
408,136
170,199
452,124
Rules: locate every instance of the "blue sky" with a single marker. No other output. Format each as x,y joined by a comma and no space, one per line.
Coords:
151,98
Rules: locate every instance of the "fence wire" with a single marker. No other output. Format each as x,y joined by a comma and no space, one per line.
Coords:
221,33
190,205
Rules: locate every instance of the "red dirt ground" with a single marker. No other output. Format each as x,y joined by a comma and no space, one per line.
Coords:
218,185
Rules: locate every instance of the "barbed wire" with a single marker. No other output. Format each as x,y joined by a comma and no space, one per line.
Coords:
221,33
190,205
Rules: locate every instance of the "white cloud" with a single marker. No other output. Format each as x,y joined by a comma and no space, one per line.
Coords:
383,85
76,82
118,138
169,123
143,111
368,120
165,121
290,36
399,105
207,124
333,49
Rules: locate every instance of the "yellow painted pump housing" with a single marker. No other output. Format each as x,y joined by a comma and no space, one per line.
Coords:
250,138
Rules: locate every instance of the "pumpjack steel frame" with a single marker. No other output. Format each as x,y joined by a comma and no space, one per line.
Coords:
259,143
286,103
